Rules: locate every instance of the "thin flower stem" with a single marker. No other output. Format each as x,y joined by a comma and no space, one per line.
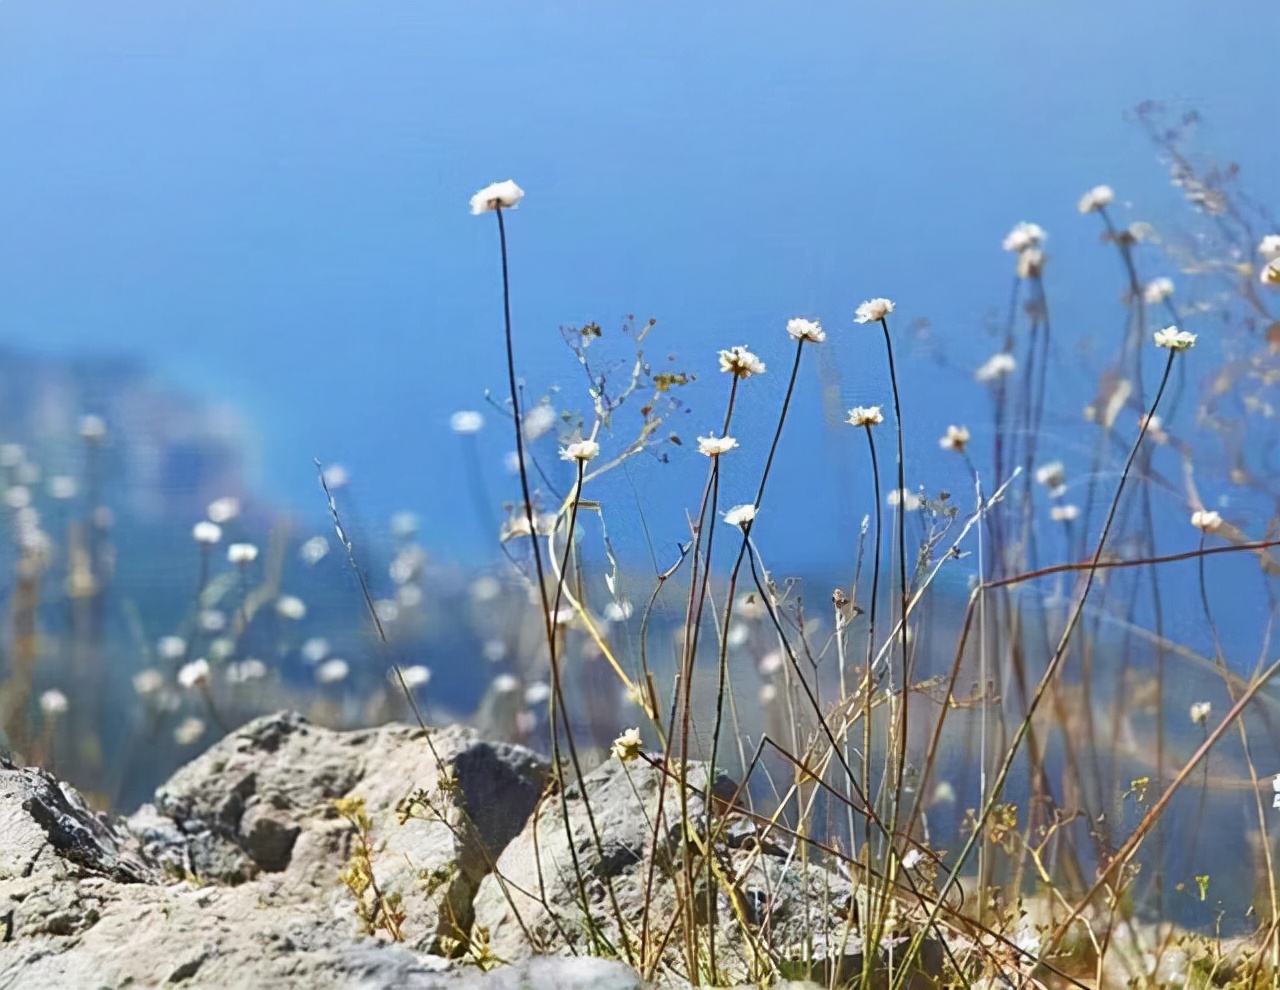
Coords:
871,625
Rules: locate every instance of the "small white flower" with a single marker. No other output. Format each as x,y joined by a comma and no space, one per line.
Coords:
956,438
1270,274
1200,712
1097,198
770,664
93,428
865,416
53,702
1064,513
188,731
1175,339
245,671
1269,247
581,450
505,684
415,676
1206,520
336,476
714,446
195,674
148,682
171,647
496,196
537,693
996,367
1023,236
628,746
206,533
314,550
17,497
291,607
466,422
740,515
11,455
1052,475
1157,291
223,510
619,611
741,362
811,330
212,621
873,310
909,500
62,487
315,649
242,553
538,421
332,671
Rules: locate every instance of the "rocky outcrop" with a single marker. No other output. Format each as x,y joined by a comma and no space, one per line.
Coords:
458,865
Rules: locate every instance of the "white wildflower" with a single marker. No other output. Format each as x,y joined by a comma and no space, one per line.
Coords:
415,676
188,731
538,421
873,310
1064,513
93,428
62,487
195,674
909,500
496,196
811,330
332,671
619,611
336,476
206,533
17,497
404,525
1269,247
996,367
314,550
466,421
223,510
1175,339
409,596
315,649
291,607
242,553
628,746
171,647
148,682
244,671
865,416
956,438
1157,291
1023,236
580,450
1097,198
1053,476
1206,520
714,446
741,362
1200,711
537,693
53,702
740,515
212,621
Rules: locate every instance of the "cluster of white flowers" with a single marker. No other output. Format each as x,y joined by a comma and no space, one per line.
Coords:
195,674
223,510
1174,339
1206,520
242,554
244,671
580,450
741,515
496,196
628,746
873,311
956,438
1157,291
1097,198
810,330
741,362
1200,711
206,533
865,416
996,367
714,446
1024,237
1064,513
1054,477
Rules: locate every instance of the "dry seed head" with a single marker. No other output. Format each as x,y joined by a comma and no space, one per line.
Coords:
496,196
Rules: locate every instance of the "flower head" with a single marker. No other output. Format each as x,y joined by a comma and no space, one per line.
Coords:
810,330
206,533
1200,712
245,671
996,367
1157,291
195,674
223,509
628,746
1175,339
865,416
1206,520
580,450
242,553
909,500
741,362
415,676
148,682
1024,235
466,421
1269,247
496,196
93,429
53,702
332,671
1097,198
740,515
873,310
956,438
188,731
1064,513
714,446
291,607
1053,476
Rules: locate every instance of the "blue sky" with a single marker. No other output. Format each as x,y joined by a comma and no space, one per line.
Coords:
268,201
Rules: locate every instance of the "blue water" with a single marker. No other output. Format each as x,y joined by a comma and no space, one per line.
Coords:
268,204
